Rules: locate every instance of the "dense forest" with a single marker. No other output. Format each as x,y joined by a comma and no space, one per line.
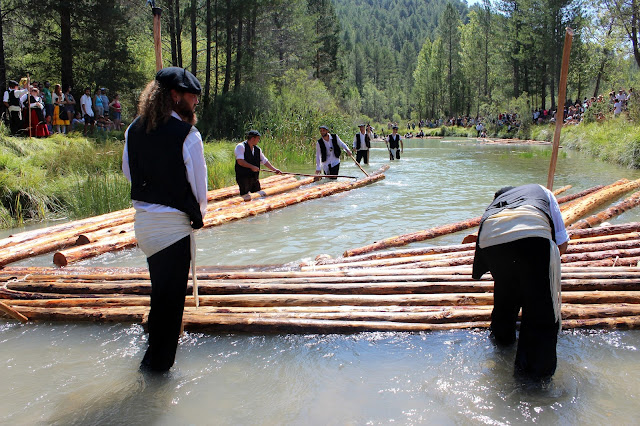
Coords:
293,63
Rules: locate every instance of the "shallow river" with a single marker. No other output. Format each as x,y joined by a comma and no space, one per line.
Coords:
56,373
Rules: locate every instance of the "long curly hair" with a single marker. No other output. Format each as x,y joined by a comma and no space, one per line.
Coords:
155,106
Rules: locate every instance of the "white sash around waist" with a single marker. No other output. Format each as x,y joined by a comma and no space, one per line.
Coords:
157,231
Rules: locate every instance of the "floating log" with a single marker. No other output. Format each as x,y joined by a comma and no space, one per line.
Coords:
414,237
567,198
224,215
618,209
593,201
561,190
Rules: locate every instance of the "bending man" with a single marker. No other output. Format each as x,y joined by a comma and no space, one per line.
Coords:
521,237
164,160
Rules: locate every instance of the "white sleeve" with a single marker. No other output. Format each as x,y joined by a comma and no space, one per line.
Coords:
193,156
342,144
355,141
558,223
318,157
125,157
263,159
239,151
5,97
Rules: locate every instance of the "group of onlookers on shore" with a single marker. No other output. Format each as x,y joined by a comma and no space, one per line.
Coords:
35,109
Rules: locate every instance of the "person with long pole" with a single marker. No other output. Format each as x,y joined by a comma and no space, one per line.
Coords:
248,159
328,150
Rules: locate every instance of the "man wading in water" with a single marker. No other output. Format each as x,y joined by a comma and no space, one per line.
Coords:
248,159
521,237
164,160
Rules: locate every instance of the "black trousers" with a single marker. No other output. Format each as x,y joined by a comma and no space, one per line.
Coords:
15,123
169,271
334,170
520,271
248,184
362,154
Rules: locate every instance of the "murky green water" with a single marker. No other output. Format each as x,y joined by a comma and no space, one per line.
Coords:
87,374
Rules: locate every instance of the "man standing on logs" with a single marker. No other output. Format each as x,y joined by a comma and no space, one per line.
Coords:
362,143
521,237
328,150
248,159
395,144
164,160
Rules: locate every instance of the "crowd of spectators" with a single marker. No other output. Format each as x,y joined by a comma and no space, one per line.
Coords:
37,109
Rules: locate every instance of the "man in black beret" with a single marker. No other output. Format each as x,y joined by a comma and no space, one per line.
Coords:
164,160
395,144
248,159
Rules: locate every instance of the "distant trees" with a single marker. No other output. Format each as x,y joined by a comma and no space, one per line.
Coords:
380,58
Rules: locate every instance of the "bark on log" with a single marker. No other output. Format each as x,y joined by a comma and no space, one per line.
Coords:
618,209
92,237
595,200
11,312
402,240
604,230
117,242
602,246
386,262
572,203
567,198
607,254
561,190
391,254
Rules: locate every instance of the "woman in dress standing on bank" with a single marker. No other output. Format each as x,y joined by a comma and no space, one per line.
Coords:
59,104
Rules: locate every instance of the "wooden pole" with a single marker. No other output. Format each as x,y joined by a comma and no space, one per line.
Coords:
562,93
358,164
13,313
157,40
304,174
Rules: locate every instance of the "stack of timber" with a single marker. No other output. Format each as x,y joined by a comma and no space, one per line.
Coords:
82,239
418,289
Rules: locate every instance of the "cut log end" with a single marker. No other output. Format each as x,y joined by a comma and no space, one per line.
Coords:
60,259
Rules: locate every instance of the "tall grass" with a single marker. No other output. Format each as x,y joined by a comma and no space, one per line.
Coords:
615,140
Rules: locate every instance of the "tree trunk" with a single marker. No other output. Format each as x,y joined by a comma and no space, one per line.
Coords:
239,50
172,32
228,43
194,38
207,72
178,33
66,48
3,63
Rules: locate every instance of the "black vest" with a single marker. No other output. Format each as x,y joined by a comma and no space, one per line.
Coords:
13,99
253,159
323,148
367,140
394,143
525,195
158,173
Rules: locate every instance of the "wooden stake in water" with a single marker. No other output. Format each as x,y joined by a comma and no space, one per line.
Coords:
562,93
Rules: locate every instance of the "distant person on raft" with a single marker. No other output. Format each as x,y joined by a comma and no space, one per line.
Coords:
521,237
249,157
328,150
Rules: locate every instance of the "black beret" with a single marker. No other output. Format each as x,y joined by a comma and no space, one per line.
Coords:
13,83
323,127
179,79
395,127
252,133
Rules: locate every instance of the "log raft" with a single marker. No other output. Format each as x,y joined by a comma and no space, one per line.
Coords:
423,289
